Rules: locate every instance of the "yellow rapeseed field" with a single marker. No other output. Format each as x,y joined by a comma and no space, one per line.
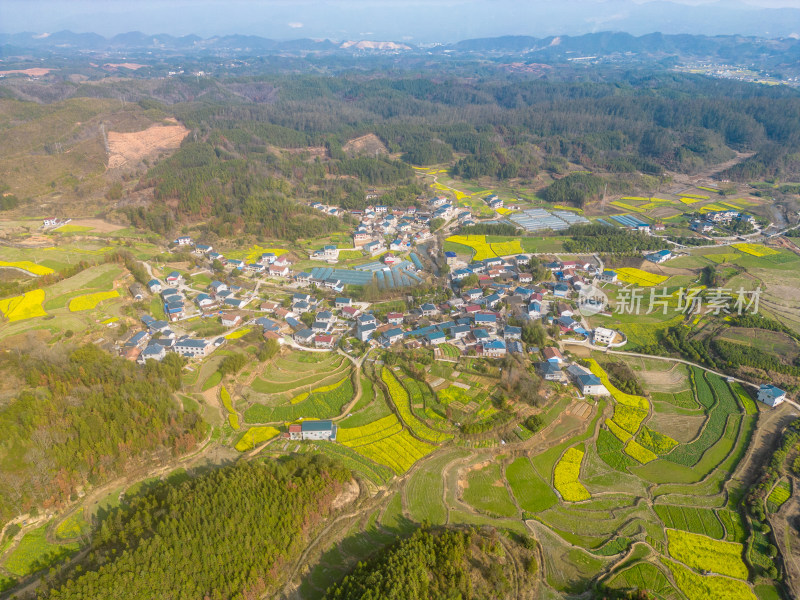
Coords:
89,301
22,307
26,265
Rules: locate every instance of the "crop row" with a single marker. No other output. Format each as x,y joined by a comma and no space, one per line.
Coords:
90,301
725,406
618,395
254,436
639,452
365,434
628,418
566,476
702,521
30,267
640,277
610,450
703,587
398,451
780,494
706,554
322,405
378,474
402,402
622,435
655,441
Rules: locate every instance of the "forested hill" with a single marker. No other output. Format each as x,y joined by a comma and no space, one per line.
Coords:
438,565
248,160
81,418
227,534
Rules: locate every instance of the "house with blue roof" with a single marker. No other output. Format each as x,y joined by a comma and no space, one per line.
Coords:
480,334
474,294
267,324
485,319
153,352
435,338
391,336
512,333
609,276
659,257
137,340
460,331
365,332
304,336
154,285
771,395
318,430
203,300
514,346
560,290
429,310
492,299
588,383
494,349
341,302
460,274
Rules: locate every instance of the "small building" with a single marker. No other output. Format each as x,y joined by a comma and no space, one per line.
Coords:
391,336
367,319
304,336
323,341
174,277
450,258
318,430
429,310
231,319
560,290
340,303
553,355
771,395
512,333
550,371
278,271
435,338
137,291
203,300
525,278
295,431
659,257
701,226
603,335
350,312
588,383
137,340
154,285
217,286
459,331
494,349
153,352
486,319
184,240
365,332
394,318
609,276
191,347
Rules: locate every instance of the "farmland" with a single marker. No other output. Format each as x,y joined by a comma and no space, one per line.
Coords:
640,277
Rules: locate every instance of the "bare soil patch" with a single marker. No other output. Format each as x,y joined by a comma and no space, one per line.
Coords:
366,144
126,65
683,428
673,380
34,72
127,148
347,496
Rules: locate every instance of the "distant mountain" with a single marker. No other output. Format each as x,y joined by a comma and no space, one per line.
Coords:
652,46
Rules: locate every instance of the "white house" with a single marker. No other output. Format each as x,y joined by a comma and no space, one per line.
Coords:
191,347
603,335
587,383
771,395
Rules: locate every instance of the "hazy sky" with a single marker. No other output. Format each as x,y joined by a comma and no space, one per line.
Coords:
413,20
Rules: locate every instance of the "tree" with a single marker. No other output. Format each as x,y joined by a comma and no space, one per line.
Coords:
307,318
